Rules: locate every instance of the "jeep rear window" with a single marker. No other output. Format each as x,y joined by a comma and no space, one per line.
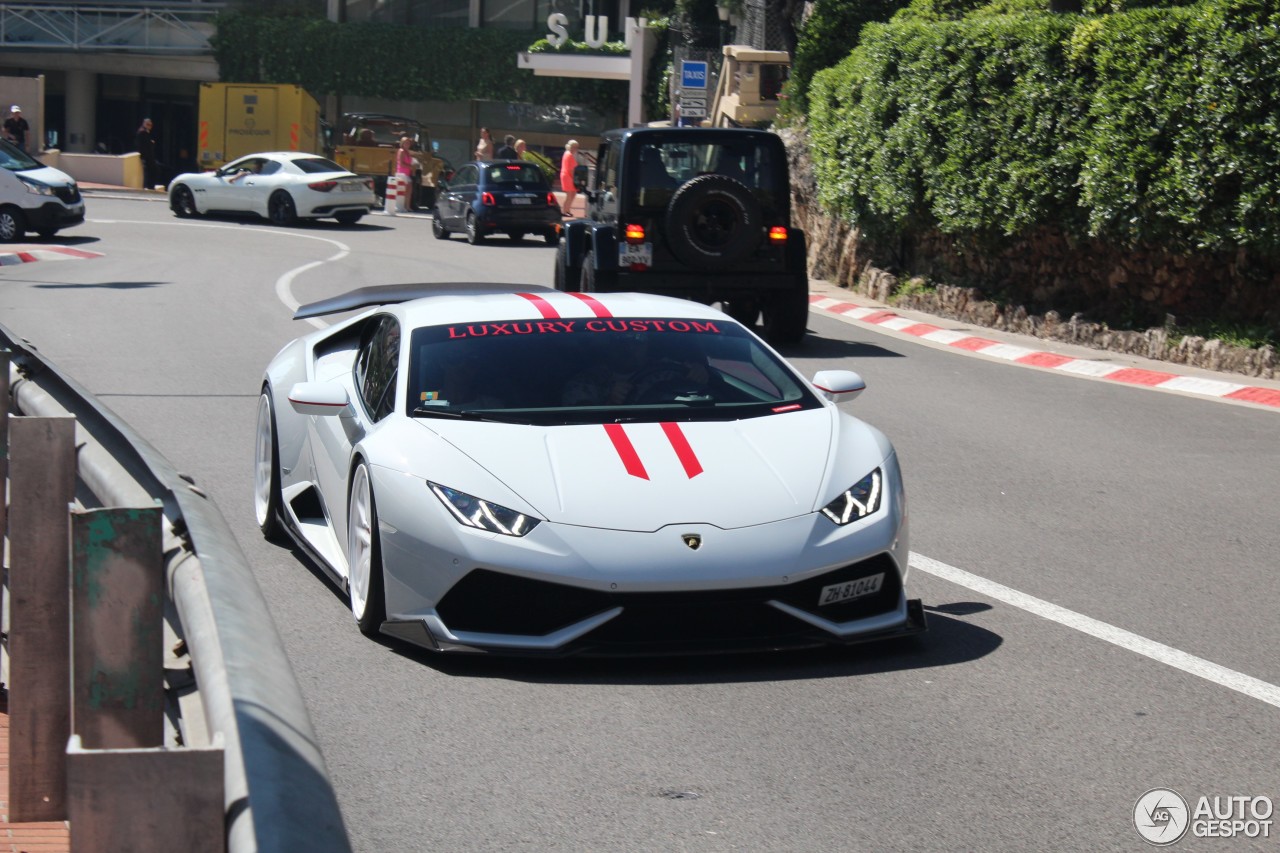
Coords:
667,165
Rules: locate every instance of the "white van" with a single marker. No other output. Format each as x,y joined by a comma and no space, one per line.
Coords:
34,197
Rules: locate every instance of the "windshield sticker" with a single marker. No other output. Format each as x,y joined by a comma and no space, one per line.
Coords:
551,327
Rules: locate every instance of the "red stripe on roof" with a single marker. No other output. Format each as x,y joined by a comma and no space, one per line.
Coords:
597,307
1044,359
626,451
1265,396
1136,376
545,308
689,459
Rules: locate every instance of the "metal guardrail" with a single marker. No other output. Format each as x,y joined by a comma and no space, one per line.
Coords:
277,794
174,28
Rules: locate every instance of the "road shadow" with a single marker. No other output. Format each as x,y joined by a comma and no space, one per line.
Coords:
109,285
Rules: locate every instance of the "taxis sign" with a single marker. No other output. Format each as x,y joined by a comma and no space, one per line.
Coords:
693,75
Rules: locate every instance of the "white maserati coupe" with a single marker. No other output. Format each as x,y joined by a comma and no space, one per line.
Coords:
282,186
526,471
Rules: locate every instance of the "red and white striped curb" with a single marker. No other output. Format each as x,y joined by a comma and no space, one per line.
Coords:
1021,355
45,253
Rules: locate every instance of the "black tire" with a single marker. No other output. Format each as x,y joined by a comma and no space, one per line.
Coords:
182,202
269,510
594,280
46,233
437,225
786,316
475,236
349,217
745,311
515,236
375,604
713,222
551,236
281,209
13,225
565,278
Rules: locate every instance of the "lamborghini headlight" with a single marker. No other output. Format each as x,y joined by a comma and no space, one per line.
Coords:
481,514
858,501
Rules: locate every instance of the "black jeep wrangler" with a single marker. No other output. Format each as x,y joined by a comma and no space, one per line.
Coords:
700,213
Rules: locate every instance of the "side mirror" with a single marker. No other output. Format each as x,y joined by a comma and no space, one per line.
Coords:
319,398
580,174
839,386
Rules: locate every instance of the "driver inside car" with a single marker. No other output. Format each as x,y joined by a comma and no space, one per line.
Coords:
630,370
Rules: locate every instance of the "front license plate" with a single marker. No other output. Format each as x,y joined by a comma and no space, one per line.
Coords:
629,254
849,590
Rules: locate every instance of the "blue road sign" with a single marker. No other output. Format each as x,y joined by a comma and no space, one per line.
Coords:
693,75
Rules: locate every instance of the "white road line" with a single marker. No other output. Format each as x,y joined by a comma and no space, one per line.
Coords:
284,283
1220,675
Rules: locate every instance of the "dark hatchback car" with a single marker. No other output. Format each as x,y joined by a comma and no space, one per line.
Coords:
509,197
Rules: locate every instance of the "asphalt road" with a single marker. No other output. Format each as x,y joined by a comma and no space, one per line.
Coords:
1098,563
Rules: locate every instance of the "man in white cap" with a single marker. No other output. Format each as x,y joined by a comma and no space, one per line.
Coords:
16,127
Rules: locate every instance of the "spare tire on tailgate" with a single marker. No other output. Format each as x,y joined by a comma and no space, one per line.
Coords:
713,222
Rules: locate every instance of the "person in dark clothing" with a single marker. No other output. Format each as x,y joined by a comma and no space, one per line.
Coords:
508,149
146,148
16,127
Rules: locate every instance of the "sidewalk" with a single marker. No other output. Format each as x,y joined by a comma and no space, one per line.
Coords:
52,837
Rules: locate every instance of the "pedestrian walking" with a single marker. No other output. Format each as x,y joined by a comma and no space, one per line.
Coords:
508,149
568,163
16,127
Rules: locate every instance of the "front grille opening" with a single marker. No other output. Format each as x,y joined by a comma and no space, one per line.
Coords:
492,602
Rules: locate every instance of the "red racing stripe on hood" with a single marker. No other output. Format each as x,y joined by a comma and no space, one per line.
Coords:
689,459
545,308
626,451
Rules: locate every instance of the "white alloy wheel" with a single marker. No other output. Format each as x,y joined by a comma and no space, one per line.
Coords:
266,472
364,562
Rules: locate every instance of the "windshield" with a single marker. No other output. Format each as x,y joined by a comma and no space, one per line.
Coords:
598,371
14,159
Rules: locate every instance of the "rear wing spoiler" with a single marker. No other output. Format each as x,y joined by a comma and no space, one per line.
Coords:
392,294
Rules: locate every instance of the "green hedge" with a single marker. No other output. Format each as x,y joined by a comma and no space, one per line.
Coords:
1153,125
829,33
397,62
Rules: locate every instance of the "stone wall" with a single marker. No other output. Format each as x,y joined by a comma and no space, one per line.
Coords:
1045,277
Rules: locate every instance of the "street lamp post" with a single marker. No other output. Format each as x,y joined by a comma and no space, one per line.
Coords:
722,9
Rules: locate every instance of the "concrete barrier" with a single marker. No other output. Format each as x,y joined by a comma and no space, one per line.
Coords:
117,170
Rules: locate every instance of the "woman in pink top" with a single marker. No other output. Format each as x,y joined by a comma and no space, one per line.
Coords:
404,173
569,162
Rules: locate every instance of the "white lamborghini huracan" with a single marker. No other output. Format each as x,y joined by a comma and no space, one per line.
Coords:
527,471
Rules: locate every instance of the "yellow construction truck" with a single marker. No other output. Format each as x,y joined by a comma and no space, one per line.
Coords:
365,143
247,118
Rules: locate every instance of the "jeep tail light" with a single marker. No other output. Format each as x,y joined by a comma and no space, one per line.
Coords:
633,233
777,235
322,186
